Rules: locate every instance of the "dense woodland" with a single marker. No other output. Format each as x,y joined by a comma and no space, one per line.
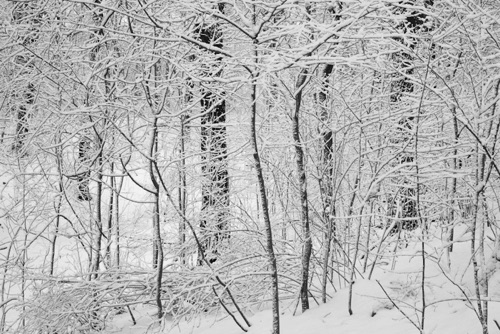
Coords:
209,156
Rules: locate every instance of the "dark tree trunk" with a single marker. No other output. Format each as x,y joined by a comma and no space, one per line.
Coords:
326,181
182,190
83,177
98,18
98,221
327,163
58,153
400,86
215,184
304,205
111,209
157,242
410,193
25,13
451,219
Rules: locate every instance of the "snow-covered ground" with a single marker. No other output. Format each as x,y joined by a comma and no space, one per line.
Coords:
447,311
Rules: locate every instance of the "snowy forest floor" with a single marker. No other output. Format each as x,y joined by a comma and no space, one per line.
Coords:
449,299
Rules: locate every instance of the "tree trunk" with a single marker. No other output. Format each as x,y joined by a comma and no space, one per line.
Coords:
265,207
413,23
304,205
451,220
96,257
326,182
109,244
83,177
215,186
157,240
182,191
117,220
58,153
25,13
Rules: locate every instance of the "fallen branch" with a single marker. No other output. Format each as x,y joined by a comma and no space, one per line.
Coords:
228,312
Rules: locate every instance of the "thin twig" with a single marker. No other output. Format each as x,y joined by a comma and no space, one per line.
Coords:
460,288
296,305
131,315
496,323
397,307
